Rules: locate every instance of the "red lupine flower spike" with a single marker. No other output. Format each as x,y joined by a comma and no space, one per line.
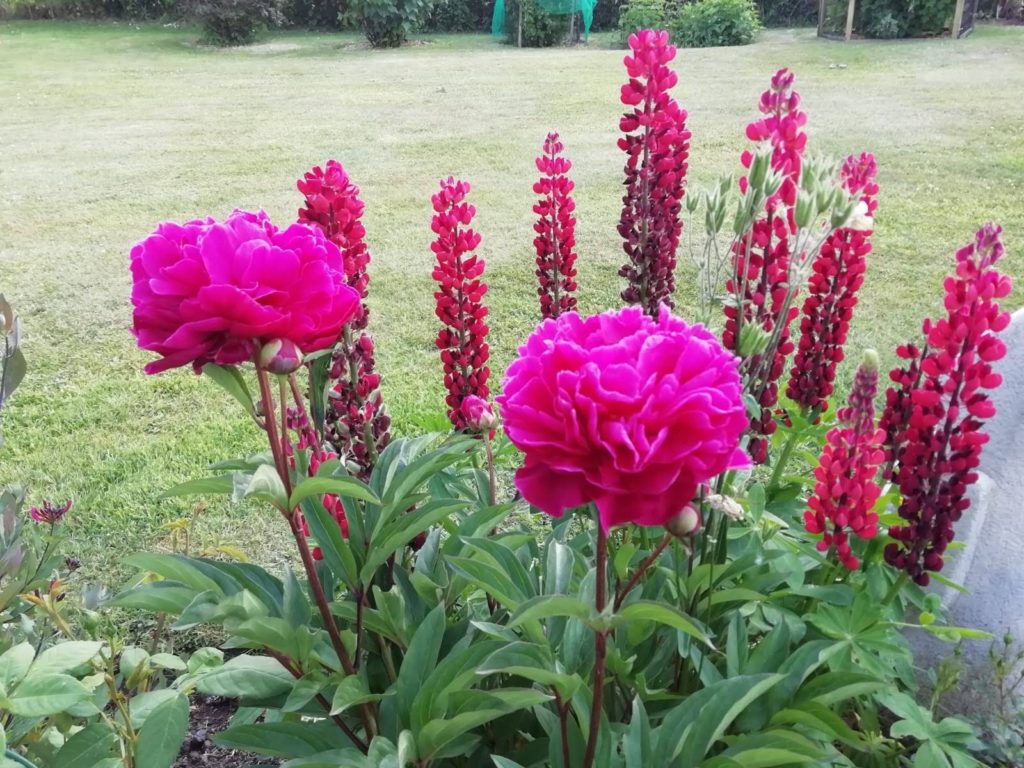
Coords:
556,231
458,272
845,490
936,421
837,275
760,277
357,425
657,145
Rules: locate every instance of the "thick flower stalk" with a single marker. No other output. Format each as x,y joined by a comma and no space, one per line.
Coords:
458,272
845,490
657,146
556,231
760,281
939,446
356,423
837,275
628,412
207,292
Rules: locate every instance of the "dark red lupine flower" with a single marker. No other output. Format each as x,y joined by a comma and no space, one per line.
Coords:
837,275
938,447
760,278
898,402
556,231
657,145
356,422
845,490
50,513
463,337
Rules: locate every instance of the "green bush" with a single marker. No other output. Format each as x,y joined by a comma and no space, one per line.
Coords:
707,23
315,14
606,15
641,14
788,13
889,19
454,16
388,23
540,28
235,22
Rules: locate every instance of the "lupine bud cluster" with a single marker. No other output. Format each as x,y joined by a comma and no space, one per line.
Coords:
938,448
356,423
760,279
556,231
845,490
463,337
838,273
657,145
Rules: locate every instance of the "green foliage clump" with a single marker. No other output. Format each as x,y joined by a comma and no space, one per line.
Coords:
314,14
540,28
235,22
456,16
388,23
707,23
788,13
641,14
890,19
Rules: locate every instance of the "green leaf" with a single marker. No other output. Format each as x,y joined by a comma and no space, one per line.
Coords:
15,663
167,661
491,579
295,602
336,551
661,613
532,662
294,641
504,762
230,379
420,660
266,484
345,487
636,745
404,529
46,694
548,606
87,748
558,574
184,570
257,677
285,739
351,692
221,485
305,689
437,734
162,734
142,705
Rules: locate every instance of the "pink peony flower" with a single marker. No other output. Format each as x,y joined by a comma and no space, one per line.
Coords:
626,411
206,292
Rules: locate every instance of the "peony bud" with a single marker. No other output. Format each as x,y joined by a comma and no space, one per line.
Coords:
685,522
478,414
280,356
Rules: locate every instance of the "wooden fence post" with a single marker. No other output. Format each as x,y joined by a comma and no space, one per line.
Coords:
958,20
850,9
821,17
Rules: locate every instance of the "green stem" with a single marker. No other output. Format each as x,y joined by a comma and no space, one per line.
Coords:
783,460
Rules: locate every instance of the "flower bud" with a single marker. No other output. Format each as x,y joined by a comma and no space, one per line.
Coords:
478,414
280,356
684,523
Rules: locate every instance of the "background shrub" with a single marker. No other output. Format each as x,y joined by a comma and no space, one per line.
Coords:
459,16
606,16
315,14
540,28
707,23
641,14
235,22
388,23
788,13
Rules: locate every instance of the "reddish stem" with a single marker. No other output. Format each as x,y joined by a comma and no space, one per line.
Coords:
600,648
624,592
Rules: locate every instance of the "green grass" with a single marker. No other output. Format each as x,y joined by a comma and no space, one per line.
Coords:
108,129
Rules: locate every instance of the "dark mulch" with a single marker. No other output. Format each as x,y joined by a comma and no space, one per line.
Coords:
208,716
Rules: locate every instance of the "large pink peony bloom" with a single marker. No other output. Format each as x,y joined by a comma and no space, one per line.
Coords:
207,292
630,412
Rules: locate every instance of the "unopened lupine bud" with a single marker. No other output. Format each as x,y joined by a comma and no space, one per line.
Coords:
280,356
684,523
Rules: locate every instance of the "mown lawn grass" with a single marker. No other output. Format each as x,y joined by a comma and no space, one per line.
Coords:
108,129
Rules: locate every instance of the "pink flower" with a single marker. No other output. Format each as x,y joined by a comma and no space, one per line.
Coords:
460,308
478,414
50,513
556,231
838,273
657,146
935,418
626,411
845,490
206,292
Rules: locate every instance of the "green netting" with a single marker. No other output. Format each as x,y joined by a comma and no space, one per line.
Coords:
500,23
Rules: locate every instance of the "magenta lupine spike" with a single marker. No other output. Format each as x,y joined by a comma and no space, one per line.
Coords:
657,145
556,231
761,258
356,425
458,272
938,446
845,489
837,275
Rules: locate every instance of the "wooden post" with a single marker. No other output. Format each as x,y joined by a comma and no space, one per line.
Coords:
958,20
519,33
850,9
821,17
